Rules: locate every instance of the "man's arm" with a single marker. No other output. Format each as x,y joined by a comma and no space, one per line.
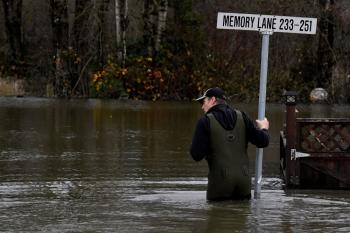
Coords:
257,135
200,146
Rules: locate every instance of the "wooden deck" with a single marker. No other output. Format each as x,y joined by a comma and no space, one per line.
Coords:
315,153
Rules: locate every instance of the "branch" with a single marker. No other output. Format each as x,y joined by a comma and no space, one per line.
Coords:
81,73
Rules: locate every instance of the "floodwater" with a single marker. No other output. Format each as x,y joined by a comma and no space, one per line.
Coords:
123,166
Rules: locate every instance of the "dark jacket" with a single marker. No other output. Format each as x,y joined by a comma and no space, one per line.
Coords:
201,146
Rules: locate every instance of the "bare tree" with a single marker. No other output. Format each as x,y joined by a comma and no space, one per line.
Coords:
124,26
102,43
13,24
161,24
60,28
148,21
117,29
326,43
340,84
121,24
155,19
85,30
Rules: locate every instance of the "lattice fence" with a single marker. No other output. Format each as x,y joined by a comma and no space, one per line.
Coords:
331,136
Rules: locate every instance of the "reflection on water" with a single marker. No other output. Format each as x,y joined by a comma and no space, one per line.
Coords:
110,166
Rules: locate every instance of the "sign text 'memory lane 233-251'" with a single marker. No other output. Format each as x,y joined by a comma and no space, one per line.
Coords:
266,23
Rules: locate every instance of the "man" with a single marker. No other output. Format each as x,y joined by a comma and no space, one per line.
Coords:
221,137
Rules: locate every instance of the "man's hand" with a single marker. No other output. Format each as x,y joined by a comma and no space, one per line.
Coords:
263,124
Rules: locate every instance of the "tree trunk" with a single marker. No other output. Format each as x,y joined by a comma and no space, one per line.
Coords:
60,29
161,24
148,35
117,30
13,24
124,27
325,48
84,35
121,25
101,42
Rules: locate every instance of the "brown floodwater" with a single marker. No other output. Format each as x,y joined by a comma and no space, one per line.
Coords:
123,166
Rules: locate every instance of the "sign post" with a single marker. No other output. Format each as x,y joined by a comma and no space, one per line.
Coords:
261,108
266,25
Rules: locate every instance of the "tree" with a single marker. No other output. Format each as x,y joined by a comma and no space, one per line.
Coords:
155,21
118,34
60,29
124,25
13,24
148,35
162,12
103,51
325,47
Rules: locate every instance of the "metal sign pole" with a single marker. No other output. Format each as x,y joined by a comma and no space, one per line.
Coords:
262,104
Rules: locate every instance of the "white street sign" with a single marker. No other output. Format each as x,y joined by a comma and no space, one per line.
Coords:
270,23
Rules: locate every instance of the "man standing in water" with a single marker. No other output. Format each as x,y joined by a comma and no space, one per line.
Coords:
221,137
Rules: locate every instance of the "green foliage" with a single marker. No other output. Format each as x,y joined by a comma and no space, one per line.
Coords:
163,78
107,83
144,81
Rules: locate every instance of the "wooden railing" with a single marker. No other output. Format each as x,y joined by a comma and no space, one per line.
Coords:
315,153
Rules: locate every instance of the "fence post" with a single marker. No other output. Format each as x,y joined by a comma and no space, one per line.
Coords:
290,101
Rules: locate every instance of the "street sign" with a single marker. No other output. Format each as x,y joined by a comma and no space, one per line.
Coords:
271,23
266,25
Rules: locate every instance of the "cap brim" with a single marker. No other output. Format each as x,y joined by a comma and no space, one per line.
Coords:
200,99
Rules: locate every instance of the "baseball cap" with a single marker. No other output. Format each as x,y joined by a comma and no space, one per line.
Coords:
215,91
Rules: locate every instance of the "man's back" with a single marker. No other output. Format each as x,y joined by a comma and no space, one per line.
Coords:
228,164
